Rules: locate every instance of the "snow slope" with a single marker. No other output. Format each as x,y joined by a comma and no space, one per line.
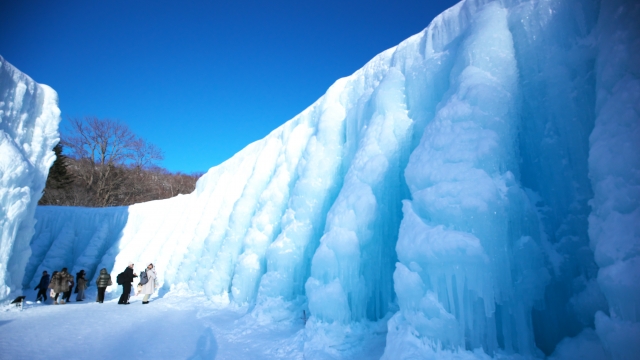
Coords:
474,188
29,118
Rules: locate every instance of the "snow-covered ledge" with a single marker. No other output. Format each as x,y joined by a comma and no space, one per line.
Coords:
29,118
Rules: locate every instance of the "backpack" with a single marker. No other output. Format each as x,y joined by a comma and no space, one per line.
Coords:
144,278
120,278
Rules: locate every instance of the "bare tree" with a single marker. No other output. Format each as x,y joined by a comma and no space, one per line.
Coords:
103,141
144,154
103,150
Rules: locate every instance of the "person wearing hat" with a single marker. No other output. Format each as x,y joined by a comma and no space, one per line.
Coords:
150,287
127,278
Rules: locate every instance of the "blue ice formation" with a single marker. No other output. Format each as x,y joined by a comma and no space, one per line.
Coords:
476,188
29,118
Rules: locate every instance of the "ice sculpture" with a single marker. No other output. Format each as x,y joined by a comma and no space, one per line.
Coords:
29,118
475,187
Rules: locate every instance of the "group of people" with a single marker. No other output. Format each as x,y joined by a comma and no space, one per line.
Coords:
61,282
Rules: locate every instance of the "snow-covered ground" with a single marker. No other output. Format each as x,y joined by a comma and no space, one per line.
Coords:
179,325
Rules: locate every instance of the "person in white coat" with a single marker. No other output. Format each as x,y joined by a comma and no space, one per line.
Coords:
150,287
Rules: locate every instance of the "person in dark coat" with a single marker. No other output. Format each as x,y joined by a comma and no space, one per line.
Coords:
127,279
66,296
43,286
81,285
103,280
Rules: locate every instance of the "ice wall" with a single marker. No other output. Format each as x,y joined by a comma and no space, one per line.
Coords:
614,170
29,118
55,244
475,186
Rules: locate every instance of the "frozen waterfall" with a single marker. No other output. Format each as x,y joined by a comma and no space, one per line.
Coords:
475,188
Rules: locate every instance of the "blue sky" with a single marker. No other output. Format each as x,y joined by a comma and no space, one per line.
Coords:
200,79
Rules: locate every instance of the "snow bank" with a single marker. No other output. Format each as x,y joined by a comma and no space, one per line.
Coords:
29,118
474,189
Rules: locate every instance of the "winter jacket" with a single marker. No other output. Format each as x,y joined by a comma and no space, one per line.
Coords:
62,282
104,279
150,286
44,283
52,277
127,277
82,283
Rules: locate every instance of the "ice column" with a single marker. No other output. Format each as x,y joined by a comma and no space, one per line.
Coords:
221,274
265,224
470,264
303,220
351,270
219,190
29,118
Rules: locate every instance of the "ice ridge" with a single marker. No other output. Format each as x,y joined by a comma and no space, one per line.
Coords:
29,118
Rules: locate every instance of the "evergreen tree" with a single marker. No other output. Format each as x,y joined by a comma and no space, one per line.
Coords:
58,182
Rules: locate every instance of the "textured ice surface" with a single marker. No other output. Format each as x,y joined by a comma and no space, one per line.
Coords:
474,189
29,118
614,170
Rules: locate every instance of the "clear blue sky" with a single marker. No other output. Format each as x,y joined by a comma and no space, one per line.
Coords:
200,79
